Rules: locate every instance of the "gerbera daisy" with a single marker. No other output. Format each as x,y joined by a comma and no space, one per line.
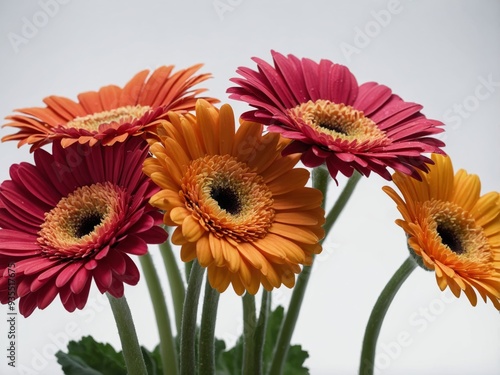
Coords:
238,205
451,229
334,120
74,217
111,114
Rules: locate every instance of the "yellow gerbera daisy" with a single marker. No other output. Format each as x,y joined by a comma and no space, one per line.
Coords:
238,206
454,230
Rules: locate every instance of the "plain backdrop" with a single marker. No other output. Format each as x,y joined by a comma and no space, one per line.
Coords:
442,54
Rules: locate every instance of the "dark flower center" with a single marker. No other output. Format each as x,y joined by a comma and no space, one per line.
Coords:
450,238
457,231
87,224
226,198
83,221
336,127
338,120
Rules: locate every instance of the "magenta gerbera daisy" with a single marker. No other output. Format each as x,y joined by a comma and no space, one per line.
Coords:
333,120
73,217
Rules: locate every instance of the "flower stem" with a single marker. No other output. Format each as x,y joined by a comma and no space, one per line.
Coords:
168,351
175,281
260,331
367,363
320,181
249,324
188,328
131,349
207,331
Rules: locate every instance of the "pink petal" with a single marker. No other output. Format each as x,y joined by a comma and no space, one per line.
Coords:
79,280
372,97
46,295
27,305
132,245
103,277
67,274
14,240
154,235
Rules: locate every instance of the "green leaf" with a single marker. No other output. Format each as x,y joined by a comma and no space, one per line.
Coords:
88,357
295,359
74,365
229,362
153,361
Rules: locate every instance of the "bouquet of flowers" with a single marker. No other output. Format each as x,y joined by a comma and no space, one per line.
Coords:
154,162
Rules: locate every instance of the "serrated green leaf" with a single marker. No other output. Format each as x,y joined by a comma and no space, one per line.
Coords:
72,365
295,359
230,362
88,357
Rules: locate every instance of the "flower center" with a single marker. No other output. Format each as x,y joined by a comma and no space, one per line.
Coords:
87,224
457,231
228,198
340,121
83,221
118,115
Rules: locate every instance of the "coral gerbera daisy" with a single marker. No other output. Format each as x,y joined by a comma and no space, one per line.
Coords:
74,217
451,229
111,114
238,205
334,120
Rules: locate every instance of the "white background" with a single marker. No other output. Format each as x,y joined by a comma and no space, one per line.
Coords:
437,53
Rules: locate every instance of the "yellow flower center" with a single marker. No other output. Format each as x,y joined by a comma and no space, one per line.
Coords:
228,198
118,115
340,121
457,231
82,220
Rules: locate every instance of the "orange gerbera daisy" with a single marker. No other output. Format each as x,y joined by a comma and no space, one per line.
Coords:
111,114
452,229
238,205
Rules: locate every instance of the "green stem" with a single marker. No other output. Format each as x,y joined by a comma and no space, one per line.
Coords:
175,281
187,269
168,351
367,363
131,349
260,331
249,323
188,328
320,181
207,331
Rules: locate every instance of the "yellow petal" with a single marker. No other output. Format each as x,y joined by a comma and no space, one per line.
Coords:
203,252
191,229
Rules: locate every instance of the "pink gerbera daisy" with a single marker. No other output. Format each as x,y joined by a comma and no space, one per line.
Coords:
74,217
334,120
